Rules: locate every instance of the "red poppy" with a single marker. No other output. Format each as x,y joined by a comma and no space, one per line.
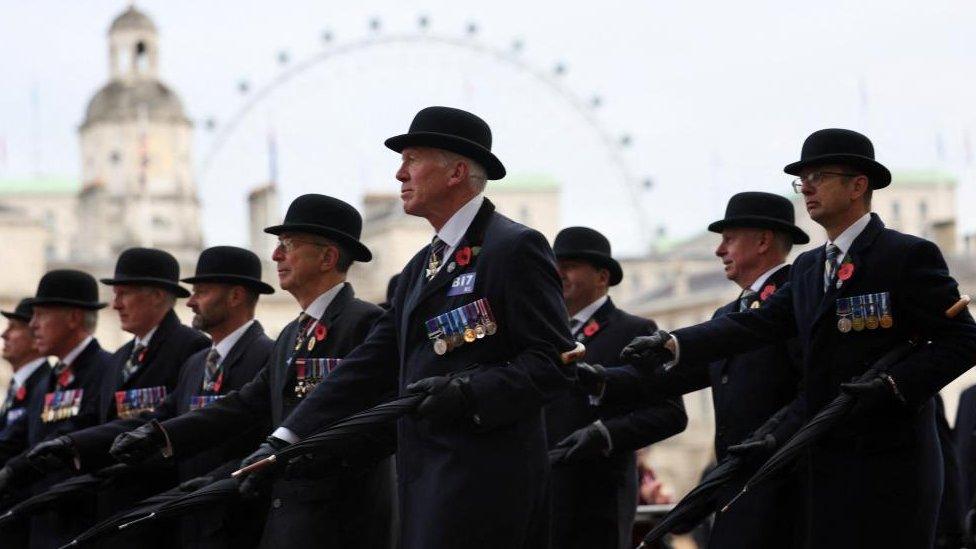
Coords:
463,256
320,332
846,271
767,291
21,393
142,356
66,377
591,328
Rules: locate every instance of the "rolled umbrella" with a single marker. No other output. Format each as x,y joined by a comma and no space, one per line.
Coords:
831,414
64,491
220,490
357,424
111,525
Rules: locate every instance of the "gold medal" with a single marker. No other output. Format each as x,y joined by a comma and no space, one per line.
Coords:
871,322
858,323
469,335
311,344
440,346
844,325
887,321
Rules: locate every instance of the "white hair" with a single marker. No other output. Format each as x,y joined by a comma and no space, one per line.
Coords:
477,176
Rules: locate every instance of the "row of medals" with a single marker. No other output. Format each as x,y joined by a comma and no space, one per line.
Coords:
57,412
483,326
306,383
869,318
137,401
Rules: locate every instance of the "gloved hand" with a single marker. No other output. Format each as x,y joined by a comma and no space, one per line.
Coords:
648,351
874,394
583,444
447,398
6,478
591,378
194,484
255,483
139,444
53,455
754,447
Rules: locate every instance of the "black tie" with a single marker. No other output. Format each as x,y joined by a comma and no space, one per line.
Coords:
437,247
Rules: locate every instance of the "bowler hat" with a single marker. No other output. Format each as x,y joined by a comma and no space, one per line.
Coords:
845,147
758,210
148,267
452,130
68,288
329,217
23,312
588,245
230,265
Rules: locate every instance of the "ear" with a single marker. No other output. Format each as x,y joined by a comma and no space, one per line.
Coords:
860,185
330,256
459,173
765,243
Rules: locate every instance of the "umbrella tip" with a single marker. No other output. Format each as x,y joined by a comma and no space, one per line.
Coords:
737,496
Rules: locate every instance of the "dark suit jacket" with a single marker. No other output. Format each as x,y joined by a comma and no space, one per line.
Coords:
466,485
242,364
594,503
866,468
13,425
965,437
350,507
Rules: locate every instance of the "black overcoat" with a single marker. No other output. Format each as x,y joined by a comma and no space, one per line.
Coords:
465,484
594,503
861,475
964,433
13,425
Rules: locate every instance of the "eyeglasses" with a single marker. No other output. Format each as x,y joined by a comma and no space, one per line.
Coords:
815,179
288,244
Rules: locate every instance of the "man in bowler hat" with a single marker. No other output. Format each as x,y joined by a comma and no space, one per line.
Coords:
594,486
226,288
875,480
30,370
65,314
477,324
345,504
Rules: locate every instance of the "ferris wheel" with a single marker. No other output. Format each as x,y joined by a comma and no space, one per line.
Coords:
611,150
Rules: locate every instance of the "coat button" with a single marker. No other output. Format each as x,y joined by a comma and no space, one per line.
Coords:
725,379
276,503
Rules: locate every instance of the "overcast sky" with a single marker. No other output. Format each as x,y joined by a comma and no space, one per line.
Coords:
716,96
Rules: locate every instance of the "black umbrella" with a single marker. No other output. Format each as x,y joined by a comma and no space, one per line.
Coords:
357,424
183,503
64,491
111,525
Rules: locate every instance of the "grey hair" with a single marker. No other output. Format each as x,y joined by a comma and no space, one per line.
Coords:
477,175
90,321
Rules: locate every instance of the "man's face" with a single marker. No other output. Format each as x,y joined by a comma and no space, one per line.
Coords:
423,175
582,282
739,251
299,260
829,194
18,342
52,328
210,304
137,307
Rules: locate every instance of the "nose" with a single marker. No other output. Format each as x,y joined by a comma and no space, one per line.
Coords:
402,174
277,255
720,250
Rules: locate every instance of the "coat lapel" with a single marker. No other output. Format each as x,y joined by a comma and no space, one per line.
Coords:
597,323
237,351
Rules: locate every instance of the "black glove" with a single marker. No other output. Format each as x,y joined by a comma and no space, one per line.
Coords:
873,394
255,483
583,444
53,455
139,444
648,351
6,478
194,484
591,378
447,399
754,447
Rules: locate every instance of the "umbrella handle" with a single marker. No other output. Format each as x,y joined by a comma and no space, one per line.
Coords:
573,354
958,306
256,466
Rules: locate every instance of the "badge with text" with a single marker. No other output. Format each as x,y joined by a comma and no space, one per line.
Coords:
466,324
61,405
202,401
462,284
309,372
864,312
133,402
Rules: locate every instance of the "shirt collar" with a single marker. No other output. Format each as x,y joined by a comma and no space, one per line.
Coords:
144,340
71,356
226,344
846,238
585,313
764,277
452,231
25,371
322,302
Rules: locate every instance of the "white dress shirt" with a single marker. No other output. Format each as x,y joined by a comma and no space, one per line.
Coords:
223,348
453,231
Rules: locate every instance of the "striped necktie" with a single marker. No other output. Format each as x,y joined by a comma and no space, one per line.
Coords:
830,269
212,370
745,299
437,248
133,363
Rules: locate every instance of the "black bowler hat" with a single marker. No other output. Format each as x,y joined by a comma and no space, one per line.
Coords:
845,147
68,288
23,312
756,210
452,130
148,267
329,217
588,245
230,265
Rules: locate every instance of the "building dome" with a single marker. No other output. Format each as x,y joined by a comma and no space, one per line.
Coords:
132,19
120,101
